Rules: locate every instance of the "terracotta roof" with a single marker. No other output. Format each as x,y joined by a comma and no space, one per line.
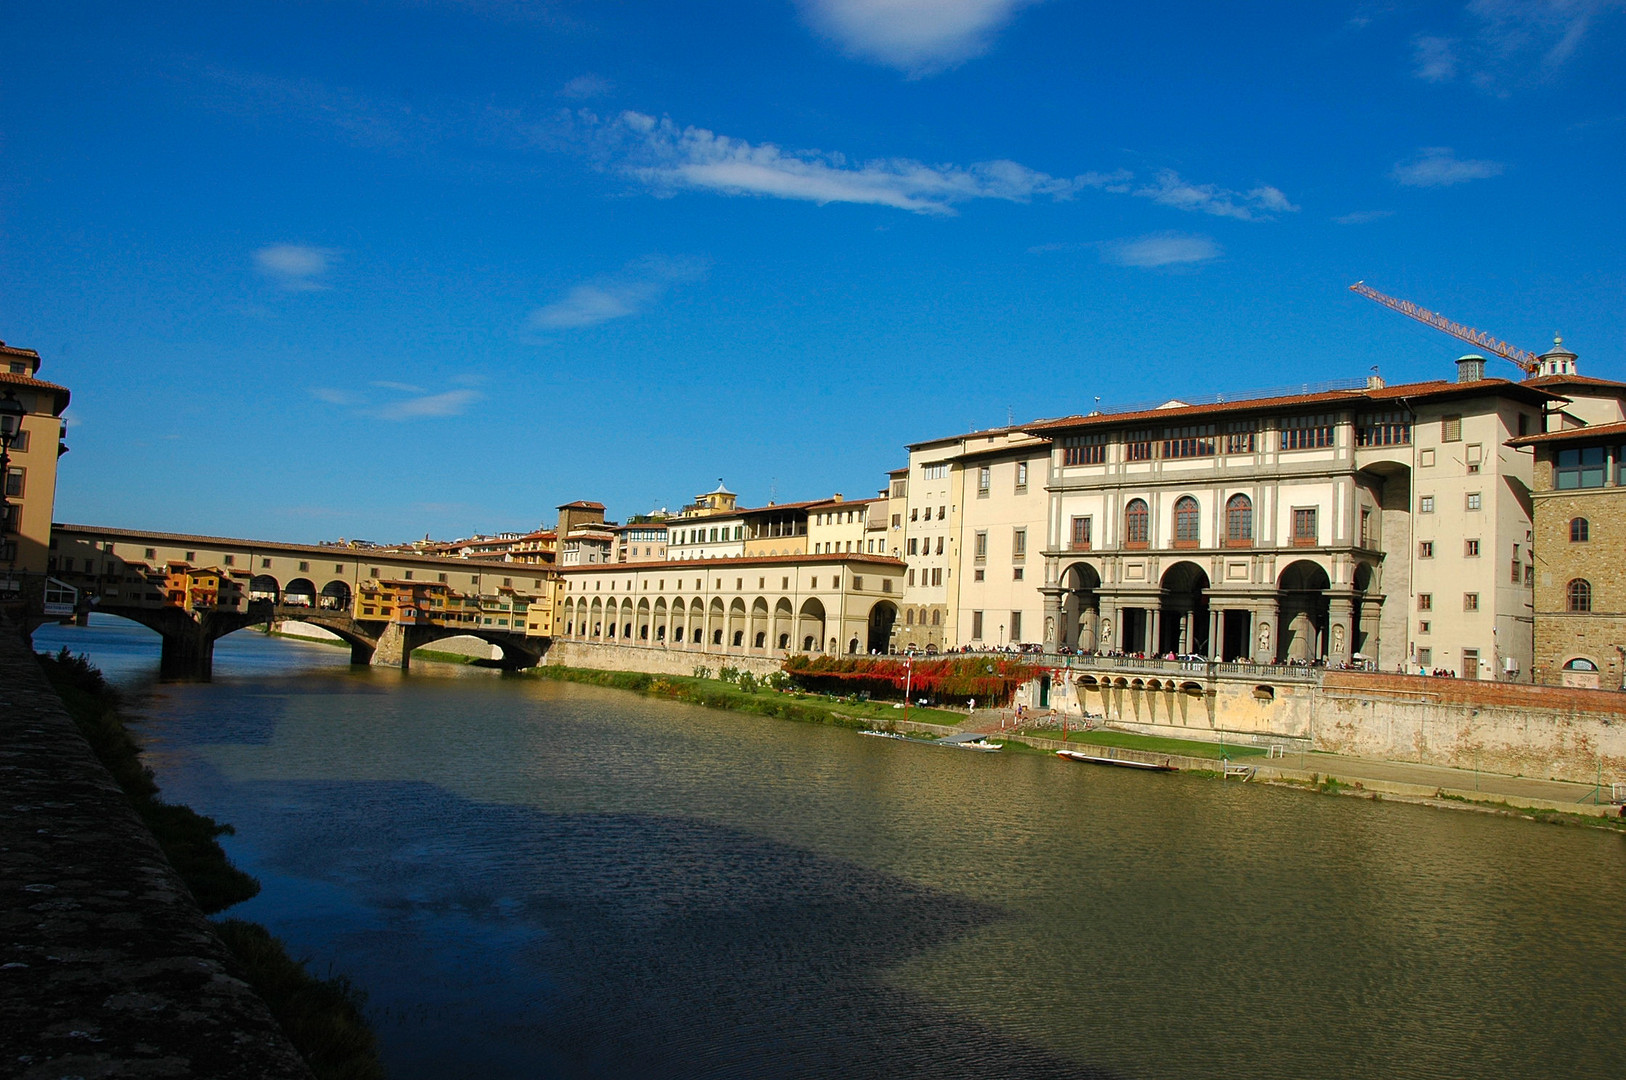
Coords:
883,562
12,350
37,384
845,502
1615,430
1438,388
1543,382
580,504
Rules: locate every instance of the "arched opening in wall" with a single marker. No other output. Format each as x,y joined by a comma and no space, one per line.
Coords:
264,587
1364,624
882,617
852,646
1081,608
1265,693
738,623
1183,618
679,621
810,625
301,592
1302,601
597,619
716,618
760,623
1582,672
643,620
335,597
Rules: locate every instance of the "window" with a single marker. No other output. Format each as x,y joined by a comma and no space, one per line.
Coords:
914,546
1425,657
1084,450
938,471
1016,626
897,521
191,556
1019,543
1239,521
304,567
19,442
1187,522
1474,500
911,579
1366,527
152,553
978,574
1470,601
1425,504
1423,626
1580,530
1138,446
979,548
976,626
1304,526
1583,468
985,480
939,545
1017,573
231,560
1578,596
1081,534
1425,601
1451,429
937,575
14,483
1240,436
1383,429
1426,458
914,513
1470,548
942,513
898,489
1306,432
1425,549
1137,523
1021,476
1185,442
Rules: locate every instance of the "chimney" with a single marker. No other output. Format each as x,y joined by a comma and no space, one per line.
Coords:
1470,368
836,497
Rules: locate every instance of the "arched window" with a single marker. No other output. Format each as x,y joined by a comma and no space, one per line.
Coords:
1580,530
1580,663
1578,595
1187,522
1239,520
937,618
909,617
1137,523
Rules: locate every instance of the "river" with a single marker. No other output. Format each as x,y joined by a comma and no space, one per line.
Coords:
533,879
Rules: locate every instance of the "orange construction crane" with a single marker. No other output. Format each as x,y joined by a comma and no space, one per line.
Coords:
1528,362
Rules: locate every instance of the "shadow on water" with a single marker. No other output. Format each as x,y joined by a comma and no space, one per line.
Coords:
612,945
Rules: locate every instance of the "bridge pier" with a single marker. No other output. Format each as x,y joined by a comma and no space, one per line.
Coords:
361,654
396,643
188,653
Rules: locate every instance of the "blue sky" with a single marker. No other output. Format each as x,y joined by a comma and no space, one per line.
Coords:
379,268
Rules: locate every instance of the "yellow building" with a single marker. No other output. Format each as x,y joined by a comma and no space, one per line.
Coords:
30,480
201,589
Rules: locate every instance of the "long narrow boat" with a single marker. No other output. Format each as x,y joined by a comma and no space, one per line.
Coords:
1125,763
884,734
983,745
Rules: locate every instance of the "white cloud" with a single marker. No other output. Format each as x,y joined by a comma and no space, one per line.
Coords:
1258,203
331,395
917,36
1439,166
1363,217
447,403
1161,249
639,286
1434,59
295,267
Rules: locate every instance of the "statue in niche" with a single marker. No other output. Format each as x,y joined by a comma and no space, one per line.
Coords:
1264,641
1338,640
1049,630
1105,635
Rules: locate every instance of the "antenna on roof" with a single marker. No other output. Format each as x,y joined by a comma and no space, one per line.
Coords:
1010,416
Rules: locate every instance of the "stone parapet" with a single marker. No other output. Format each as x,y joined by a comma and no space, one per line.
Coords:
600,656
107,967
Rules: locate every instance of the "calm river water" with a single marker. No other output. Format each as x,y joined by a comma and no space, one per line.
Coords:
533,879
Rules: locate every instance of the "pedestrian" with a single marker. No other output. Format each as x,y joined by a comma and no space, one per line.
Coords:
971,706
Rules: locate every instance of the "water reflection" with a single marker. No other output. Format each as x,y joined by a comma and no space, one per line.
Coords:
535,879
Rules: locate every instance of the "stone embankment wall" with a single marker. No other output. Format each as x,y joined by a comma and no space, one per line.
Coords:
1548,732
1542,731
107,967
604,657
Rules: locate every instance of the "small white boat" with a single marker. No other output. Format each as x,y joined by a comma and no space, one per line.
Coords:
883,734
981,744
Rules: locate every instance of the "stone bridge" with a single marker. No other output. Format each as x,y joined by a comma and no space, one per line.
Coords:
189,637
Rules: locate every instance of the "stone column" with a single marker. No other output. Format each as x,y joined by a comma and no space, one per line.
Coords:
1216,632
1154,635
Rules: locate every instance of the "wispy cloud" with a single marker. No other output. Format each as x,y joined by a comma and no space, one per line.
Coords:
1439,166
295,267
401,401
1434,59
1161,249
916,36
1363,217
585,87
1503,42
669,158
1258,203
636,288
445,403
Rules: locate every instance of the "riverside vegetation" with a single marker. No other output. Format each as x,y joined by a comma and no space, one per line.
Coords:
322,1017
